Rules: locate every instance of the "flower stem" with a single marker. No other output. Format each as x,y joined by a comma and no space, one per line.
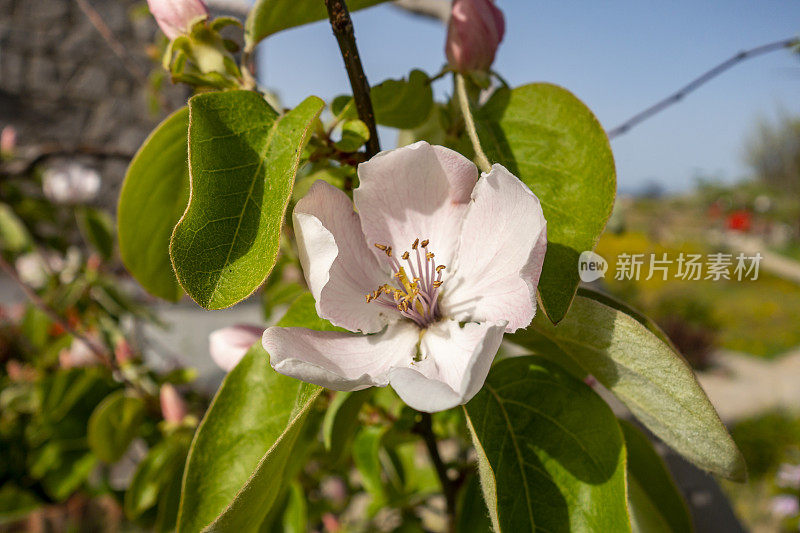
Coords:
463,100
425,429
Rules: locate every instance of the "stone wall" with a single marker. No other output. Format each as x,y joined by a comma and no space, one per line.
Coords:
61,82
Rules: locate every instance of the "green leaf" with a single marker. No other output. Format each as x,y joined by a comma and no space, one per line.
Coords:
235,469
341,421
154,474
550,140
550,451
14,237
243,158
403,103
114,424
656,504
154,195
648,376
294,517
473,517
271,16
354,134
366,450
16,503
97,228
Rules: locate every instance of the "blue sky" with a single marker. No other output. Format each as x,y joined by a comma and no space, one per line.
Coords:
618,57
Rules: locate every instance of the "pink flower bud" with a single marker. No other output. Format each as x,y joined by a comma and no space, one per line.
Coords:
228,345
475,31
175,16
8,140
123,352
173,408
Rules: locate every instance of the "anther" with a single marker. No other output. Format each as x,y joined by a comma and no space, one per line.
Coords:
437,284
381,246
405,256
425,243
440,268
429,255
389,251
414,246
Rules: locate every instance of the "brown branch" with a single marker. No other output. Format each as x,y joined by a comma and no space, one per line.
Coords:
33,155
697,82
342,27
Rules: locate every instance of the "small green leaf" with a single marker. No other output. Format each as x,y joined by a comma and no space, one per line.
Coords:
656,504
14,237
97,228
114,424
295,514
154,195
550,452
354,134
154,474
647,375
243,158
16,503
341,421
550,140
271,16
366,450
236,464
403,103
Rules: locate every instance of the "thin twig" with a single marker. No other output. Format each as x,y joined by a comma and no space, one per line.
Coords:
463,100
697,82
425,429
342,27
102,28
31,156
102,355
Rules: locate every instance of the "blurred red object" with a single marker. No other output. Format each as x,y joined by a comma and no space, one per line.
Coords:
739,220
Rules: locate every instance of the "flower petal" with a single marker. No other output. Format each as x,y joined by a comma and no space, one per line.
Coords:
228,345
455,363
501,251
340,361
418,191
338,266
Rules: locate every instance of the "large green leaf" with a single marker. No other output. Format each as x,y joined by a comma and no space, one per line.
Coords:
243,158
153,197
550,451
655,502
271,16
114,424
402,104
549,139
235,468
646,374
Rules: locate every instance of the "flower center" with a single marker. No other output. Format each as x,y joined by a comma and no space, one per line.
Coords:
415,295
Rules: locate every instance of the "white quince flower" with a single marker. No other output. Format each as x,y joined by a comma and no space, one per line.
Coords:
430,331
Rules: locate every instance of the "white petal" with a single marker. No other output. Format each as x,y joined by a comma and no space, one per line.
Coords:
455,363
228,345
418,191
337,264
340,361
502,247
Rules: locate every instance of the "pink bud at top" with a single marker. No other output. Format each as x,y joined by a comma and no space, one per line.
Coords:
475,31
175,16
173,408
228,345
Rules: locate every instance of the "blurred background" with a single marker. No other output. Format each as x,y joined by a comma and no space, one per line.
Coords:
719,172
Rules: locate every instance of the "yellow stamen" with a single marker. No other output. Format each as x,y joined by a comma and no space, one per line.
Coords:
414,246
381,246
425,243
440,268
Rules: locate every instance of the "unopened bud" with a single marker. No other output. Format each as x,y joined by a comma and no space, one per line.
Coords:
228,345
173,408
175,17
475,31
